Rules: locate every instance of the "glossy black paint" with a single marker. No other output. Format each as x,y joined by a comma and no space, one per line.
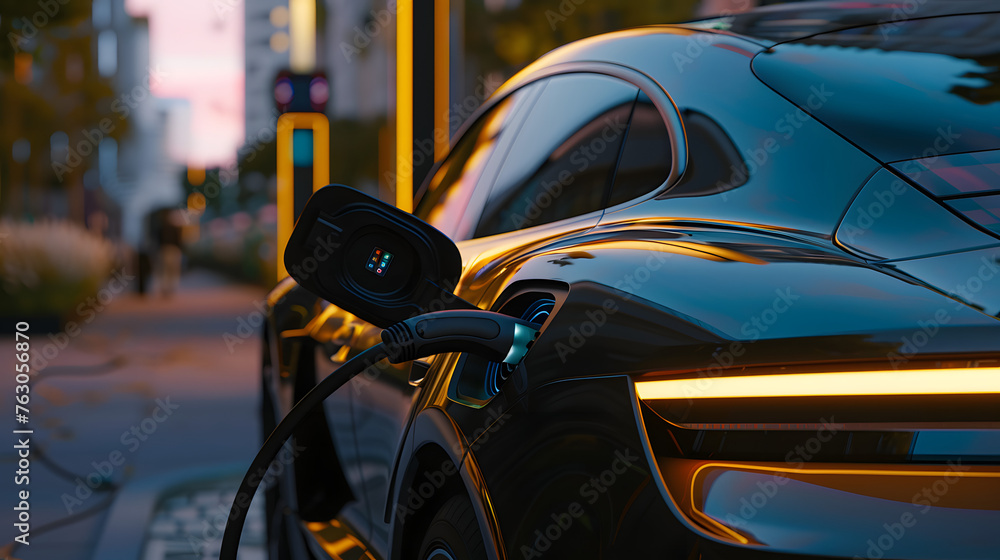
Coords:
860,83
731,237
891,220
602,497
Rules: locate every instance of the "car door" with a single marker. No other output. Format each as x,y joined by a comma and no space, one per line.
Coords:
450,201
537,164
636,161
561,164
555,182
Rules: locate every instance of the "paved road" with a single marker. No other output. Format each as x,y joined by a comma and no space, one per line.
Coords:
168,420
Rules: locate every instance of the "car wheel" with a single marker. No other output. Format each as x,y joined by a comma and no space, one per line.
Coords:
453,533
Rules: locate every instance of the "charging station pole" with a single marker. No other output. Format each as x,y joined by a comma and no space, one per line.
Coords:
303,135
423,71
303,168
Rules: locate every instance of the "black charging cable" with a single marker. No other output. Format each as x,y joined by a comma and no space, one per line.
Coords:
494,336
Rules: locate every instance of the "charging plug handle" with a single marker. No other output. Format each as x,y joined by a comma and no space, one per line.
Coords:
494,336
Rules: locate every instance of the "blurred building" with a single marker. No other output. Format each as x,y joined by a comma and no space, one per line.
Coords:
266,45
357,53
461,51
140,171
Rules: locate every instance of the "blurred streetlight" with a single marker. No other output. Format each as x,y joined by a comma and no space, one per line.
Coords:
195,176
280,42
302,28
279,16
196,203
22,68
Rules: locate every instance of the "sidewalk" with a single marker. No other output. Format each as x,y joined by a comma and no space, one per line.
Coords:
148,389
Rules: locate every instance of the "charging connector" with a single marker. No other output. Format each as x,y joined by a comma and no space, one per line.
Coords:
494,336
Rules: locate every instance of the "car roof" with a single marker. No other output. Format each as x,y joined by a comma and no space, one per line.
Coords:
906,83
798,20
898,89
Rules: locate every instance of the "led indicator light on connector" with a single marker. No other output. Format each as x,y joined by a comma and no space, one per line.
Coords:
379,261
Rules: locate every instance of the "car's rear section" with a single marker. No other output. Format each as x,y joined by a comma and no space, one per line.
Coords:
870,443
795,401
894,456
834,397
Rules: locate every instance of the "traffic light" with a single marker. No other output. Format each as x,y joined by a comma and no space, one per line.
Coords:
301,93
303,144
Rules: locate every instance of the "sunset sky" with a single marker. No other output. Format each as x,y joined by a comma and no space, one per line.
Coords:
198,45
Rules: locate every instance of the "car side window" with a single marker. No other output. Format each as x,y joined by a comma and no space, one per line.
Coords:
646,155
563,159
447,196
714,163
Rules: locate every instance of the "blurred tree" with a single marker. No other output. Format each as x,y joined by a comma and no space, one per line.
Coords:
22,21
49,84
504,36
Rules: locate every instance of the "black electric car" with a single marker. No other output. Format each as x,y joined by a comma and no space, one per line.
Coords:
763,254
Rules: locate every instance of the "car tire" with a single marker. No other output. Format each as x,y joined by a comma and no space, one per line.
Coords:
453,533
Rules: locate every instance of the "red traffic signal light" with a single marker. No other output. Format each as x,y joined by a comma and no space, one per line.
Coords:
301,93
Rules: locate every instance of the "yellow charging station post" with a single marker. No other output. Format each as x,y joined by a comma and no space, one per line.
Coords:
423,50
287,123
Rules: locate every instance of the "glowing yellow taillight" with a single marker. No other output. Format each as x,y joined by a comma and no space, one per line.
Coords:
954,381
